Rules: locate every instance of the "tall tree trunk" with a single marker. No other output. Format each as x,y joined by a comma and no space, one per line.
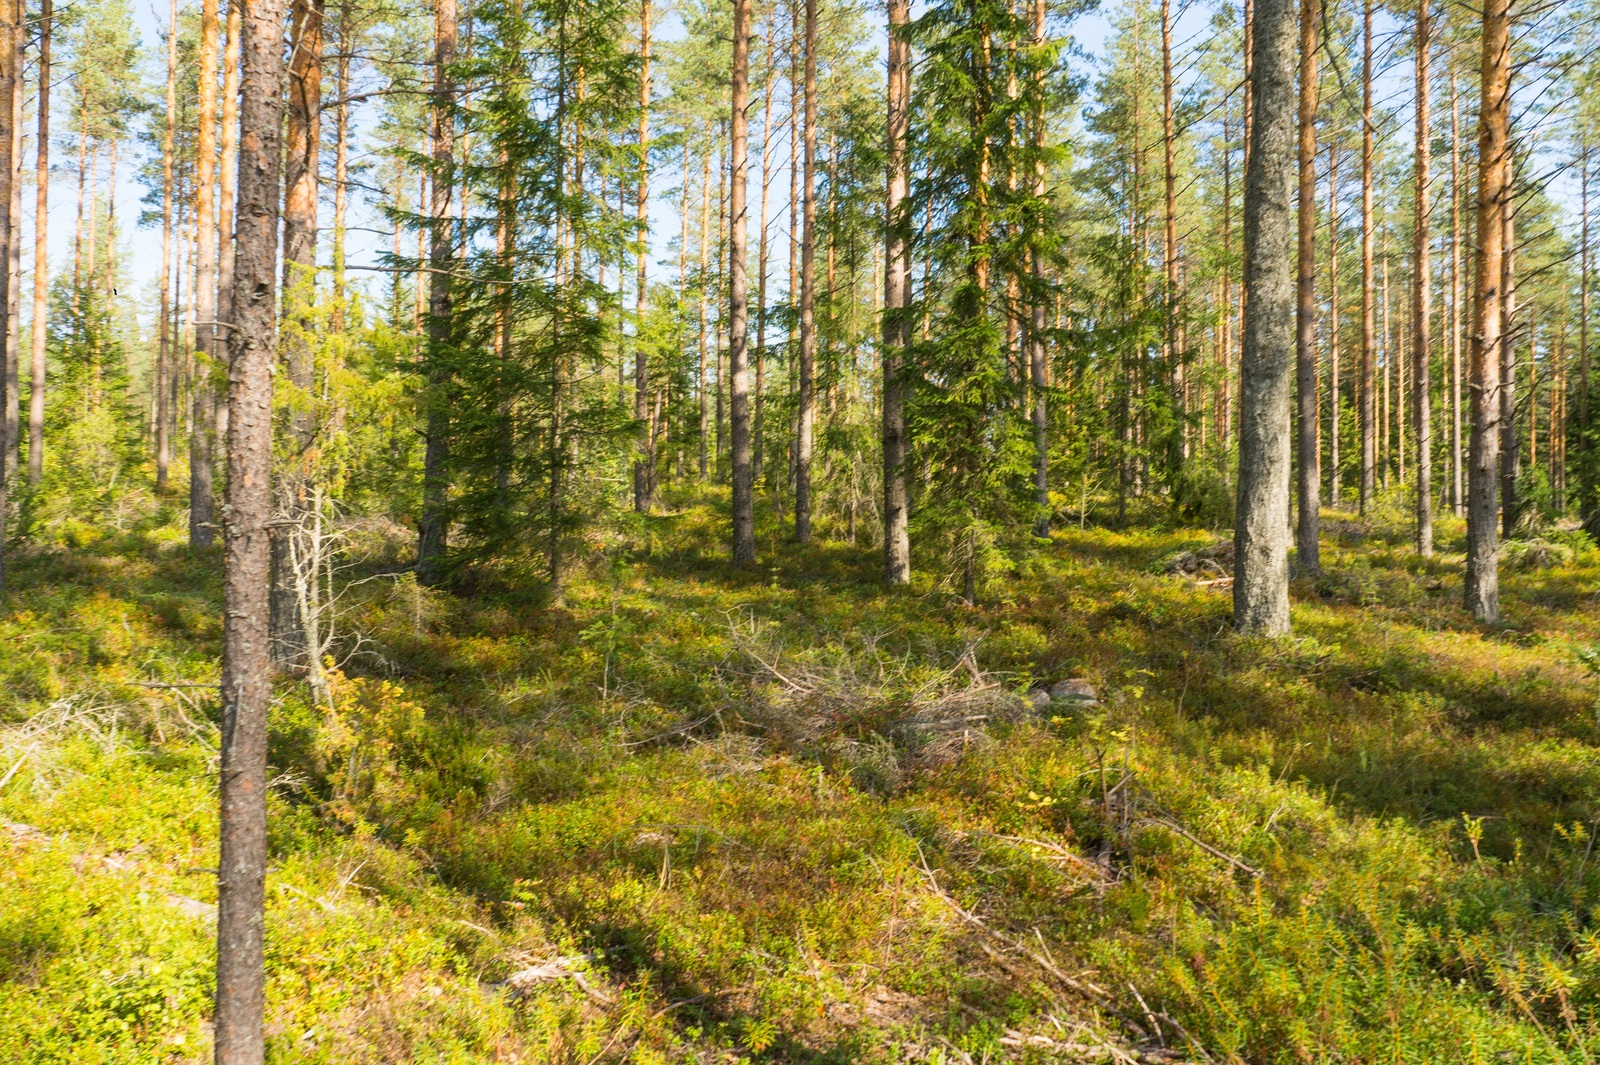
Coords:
432,529
14,257
227,185
808,289
705,251
1586,501
758,432
164,328
1369,428
1169,245
896,295
302,154
341,160
11,28
744,530
205,290
1457,496
246,674
1422,304
1510,450
1309,466
1335,415
1494,120
1036,368
1261,584
641,362
41,262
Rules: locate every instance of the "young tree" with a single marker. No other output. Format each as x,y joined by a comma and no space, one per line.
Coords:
246,670
1261,581
1494,118
1422,302
164,328
1369,338
41,260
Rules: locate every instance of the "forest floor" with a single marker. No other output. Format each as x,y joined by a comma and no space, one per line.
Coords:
697,814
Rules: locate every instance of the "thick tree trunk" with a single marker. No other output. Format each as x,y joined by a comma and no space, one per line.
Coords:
1422,304
808,289
41,262
744,531
1261,582
1309,466
641,362
1494,119
434,524
246,675
1369,433
896,295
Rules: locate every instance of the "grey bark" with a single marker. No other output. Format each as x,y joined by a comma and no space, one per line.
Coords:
433,526
744,534
896,294
1309,466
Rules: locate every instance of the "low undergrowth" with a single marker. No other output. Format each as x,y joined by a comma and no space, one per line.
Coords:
700,814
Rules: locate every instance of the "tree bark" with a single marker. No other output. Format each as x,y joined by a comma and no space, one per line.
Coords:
896,295
808,288
1510,451
1169,244
164,328
1494,118
1369,435
744,534
341,160
41,261
641,363
1422,304
246,676
1261,584
758,432
1334,411
1309,467
433,527
11,29
1457,496
205,290
1037,369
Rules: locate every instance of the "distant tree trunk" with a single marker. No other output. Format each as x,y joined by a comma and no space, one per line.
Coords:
432,529
1169,246
1369,435
641,362
1510,450
758,441
164,339
11,29
1422,306
1494,119
1334,412
1224,402
1037,368
1457,496
246,674
1586,501
744,533
14,255
41,262
205,290
227,182
808,288
341,161
1309,467
1261,582
302,155
705,265
896,295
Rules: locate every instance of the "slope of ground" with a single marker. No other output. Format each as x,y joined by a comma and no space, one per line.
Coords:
783,814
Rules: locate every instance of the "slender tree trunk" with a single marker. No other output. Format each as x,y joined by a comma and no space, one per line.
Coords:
1510,450
205,290
163,329
14,256
1457,496
808,288
1586,501
302,154
641,360
1169,246
1369,435
1037,367
1261,582
1335,414
744,534
705,287
758,442
41,261
227,184
1309,466
11,29
1494,119
432,529
1422,304
896,295
341,161
246,673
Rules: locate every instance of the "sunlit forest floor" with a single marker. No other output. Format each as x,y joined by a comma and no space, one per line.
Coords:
785,815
